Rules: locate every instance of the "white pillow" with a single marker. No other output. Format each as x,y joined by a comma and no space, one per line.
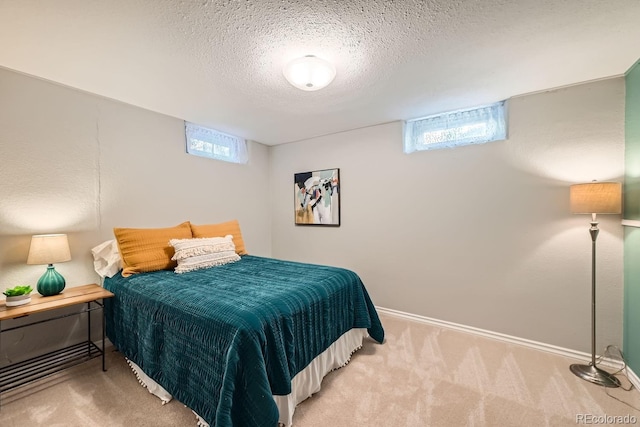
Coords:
106,259
194,254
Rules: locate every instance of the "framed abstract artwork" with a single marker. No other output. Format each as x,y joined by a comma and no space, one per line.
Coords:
317,197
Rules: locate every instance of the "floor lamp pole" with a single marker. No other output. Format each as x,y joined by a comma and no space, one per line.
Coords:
591,372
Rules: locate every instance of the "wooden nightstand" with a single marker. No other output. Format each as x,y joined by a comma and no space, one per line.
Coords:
24,372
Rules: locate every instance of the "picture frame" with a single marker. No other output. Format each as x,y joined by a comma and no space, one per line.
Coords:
317,197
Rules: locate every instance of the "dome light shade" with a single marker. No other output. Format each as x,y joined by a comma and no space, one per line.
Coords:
309,73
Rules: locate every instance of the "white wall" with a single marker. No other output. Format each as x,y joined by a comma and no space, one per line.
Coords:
478,235
80,164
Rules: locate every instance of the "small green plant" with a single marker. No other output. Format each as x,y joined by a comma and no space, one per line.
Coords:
18,290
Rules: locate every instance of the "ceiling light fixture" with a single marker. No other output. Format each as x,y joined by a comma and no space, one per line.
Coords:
309,73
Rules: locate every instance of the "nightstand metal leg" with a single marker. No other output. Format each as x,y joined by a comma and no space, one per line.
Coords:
89,329
104,368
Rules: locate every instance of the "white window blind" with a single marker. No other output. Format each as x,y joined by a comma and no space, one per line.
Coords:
463,127
205,142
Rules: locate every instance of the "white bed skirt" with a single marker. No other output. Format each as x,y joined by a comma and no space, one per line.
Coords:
303,385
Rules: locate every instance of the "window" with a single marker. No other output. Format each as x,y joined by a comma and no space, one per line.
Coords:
205,142
463,127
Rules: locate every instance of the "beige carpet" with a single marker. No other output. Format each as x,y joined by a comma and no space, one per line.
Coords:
421,376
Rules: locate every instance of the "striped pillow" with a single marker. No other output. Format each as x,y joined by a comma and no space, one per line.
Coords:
194,254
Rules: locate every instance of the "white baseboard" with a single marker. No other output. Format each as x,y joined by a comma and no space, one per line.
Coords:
561,351
633,378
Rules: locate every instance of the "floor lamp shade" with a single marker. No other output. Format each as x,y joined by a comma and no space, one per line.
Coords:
49,249
595,198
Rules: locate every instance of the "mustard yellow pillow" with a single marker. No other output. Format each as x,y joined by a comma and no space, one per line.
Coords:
148,249
220,230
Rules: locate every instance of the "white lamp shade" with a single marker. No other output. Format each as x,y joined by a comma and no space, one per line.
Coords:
309,73
49,249
596,197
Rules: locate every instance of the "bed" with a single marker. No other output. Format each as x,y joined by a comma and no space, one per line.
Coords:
237,342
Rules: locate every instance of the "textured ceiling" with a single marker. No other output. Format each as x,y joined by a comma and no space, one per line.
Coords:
219,63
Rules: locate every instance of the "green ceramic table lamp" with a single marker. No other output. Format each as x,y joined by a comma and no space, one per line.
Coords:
49,249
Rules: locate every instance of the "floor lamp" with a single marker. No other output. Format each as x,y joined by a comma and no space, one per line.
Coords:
595,198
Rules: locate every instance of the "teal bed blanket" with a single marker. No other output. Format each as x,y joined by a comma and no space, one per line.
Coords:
223,340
